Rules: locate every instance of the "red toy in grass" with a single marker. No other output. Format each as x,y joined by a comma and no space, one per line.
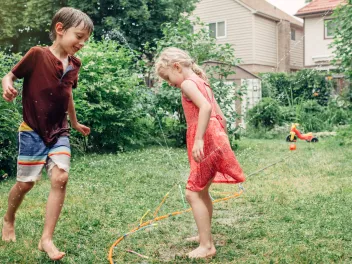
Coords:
296,133
292,147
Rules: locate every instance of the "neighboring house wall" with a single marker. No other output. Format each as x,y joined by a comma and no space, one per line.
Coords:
238,25
265,41
315,43
263,44
297,50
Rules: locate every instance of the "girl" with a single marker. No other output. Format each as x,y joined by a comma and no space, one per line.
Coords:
209,152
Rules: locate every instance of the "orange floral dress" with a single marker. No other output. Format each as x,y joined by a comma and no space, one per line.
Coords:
219,163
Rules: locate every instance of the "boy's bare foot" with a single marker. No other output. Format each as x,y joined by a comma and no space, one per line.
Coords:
202,252
8,231
49,247
193,239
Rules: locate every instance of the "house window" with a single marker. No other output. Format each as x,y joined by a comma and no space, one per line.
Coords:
217,29
330,27
293,34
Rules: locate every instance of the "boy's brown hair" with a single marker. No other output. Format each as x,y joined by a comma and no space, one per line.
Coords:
70,17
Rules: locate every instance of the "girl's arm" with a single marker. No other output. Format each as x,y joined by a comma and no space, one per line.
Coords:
220,113
190,89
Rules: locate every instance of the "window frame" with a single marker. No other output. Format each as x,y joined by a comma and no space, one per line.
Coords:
216,28
326,28
293,33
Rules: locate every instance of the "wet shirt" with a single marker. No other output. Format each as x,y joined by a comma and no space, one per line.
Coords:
46,92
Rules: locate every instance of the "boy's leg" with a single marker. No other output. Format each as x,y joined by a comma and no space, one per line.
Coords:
30,162
16,196
55,202
202,211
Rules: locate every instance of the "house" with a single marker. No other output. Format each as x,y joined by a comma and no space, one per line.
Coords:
319,32
265,38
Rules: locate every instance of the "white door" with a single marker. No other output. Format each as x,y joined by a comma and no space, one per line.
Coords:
252,95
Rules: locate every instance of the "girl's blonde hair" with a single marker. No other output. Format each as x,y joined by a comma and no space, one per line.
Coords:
172,55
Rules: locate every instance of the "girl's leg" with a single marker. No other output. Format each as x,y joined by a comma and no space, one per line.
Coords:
202,212
54,205
16,196
209,205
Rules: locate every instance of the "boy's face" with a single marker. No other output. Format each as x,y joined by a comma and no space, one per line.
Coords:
72,39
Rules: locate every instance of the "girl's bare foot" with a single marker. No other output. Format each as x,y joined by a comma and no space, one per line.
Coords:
202,252
49,247
8,231
193,239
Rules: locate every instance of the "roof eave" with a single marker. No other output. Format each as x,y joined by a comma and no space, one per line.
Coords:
302,15
276,18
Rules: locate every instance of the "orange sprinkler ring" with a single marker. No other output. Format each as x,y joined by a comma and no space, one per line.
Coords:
148,223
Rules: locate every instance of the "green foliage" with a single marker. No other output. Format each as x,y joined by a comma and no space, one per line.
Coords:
10,118
22,27
343,38
314,117
291,89
309,115
106,98
266,114
138,21
202,48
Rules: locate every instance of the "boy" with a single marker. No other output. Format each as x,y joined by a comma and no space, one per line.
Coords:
49,75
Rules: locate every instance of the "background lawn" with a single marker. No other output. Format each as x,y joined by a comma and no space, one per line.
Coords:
298,211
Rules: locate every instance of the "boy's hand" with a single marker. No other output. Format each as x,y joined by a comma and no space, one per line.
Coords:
84,130
197,151
9,93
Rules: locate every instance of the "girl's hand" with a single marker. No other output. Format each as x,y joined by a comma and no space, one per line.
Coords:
197,151
84,130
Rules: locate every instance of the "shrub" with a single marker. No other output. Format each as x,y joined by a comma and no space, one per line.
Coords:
10,118
107,97
291,89
266,114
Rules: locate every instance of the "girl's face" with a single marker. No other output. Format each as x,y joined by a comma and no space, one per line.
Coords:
173,75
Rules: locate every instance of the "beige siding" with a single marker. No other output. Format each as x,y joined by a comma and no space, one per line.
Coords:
316,45
238,23
265,41
296,50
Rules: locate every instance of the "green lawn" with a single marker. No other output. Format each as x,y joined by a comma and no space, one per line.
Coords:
298,211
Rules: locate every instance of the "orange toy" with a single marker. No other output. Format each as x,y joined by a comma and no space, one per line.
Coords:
296,133
292,147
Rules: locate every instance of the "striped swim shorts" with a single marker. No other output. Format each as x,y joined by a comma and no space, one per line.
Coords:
34,155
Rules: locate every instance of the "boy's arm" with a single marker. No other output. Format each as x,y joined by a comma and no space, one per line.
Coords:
9,92
84,130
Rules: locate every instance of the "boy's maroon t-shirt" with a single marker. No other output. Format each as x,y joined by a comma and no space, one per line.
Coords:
46,92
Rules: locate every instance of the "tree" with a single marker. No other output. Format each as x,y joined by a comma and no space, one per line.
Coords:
25,23
342,43
131,21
